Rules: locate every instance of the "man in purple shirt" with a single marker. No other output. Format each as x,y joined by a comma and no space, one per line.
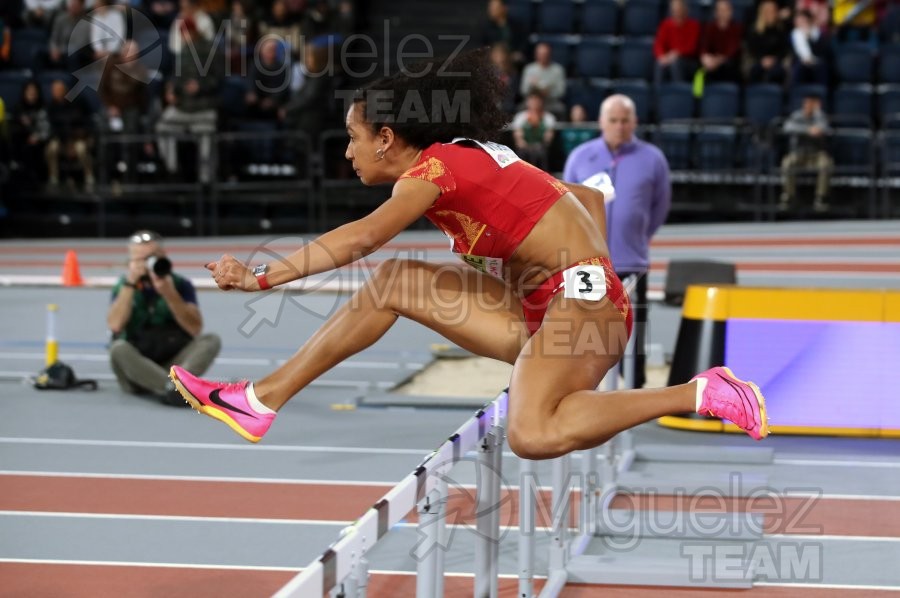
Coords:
640,175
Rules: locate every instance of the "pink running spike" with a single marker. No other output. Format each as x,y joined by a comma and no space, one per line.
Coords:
226,402
731,398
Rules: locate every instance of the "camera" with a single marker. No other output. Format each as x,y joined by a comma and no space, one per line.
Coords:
161,266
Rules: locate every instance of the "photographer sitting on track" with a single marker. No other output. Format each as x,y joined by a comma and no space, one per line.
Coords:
155,323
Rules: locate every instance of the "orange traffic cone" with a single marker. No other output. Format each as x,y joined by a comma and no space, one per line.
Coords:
71,275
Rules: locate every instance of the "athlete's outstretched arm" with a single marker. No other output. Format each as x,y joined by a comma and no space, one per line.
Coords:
341,246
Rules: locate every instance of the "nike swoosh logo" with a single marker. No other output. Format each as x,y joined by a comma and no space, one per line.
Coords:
217,400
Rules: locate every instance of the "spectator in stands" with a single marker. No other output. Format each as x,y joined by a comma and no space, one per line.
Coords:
123,89
639,173
155,322
269,81
241,33
107,27
767,45
499,28
720,45
545,77
810,48
202,24
279,26
5,43
192,97
123,92
65,36
70,134
40,13
162,12
308,110
30,131
214,8
345,19
820,11
808,129
318,20
502,61
533,130
578,131
676,44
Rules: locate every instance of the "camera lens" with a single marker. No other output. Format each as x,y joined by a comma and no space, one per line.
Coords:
161,266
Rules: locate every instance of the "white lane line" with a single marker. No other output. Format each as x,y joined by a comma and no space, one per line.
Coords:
829,496
215,446
187,478
222,567
183,518
358,384
837,463
103,357
826,586
812,586
404,525
814,537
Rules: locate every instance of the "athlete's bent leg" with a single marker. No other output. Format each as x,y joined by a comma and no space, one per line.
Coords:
555,409
470,309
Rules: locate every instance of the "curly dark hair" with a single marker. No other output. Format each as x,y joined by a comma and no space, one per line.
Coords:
437,100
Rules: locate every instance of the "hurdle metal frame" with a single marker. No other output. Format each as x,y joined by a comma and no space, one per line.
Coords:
343,568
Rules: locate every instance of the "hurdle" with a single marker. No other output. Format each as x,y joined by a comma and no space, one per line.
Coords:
343,569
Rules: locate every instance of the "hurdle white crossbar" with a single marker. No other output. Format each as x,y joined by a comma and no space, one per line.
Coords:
344,560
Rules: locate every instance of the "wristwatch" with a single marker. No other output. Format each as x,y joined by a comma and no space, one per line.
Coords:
260,273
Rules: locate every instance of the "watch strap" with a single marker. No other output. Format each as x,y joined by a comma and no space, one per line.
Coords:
263,281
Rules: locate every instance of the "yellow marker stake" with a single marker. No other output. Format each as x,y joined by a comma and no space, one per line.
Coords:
52,347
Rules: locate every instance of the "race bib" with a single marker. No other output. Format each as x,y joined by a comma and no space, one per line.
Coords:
501,154
586,282
602,183
488,265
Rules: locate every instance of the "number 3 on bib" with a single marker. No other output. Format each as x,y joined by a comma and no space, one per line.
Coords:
586,282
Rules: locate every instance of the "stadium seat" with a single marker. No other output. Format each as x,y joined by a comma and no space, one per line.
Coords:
27,49
589,94
636,58
888,102
594,58
852,100
600,17
720,101
675,142
762,104
674,101
556,16
701,10
716,147
889,63
640,17
11,84
889,26
639,92
854,62
744,11
231,96
853,151
520,11
890,152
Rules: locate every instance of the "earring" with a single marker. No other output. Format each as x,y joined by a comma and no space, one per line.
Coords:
379,153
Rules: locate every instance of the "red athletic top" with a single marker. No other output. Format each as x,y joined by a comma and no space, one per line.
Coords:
490,199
